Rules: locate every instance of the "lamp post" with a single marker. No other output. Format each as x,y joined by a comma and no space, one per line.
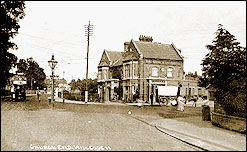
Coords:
88,32
52,64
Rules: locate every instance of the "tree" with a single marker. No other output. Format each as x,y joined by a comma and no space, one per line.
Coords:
10,14
81,85
224,69
22,66
33,72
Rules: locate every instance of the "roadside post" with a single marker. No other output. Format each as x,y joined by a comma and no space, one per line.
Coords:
52,64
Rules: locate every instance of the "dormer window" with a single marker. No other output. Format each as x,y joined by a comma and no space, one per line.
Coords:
130,49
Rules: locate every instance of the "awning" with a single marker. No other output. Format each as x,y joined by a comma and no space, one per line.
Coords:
167,90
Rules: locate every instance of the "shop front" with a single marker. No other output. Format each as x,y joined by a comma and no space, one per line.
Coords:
159,89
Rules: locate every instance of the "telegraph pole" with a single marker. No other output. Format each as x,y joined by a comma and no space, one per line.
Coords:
88,32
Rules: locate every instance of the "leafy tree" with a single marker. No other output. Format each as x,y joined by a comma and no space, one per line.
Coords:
10,14
33,72
73,84
224,68
22,66
81,85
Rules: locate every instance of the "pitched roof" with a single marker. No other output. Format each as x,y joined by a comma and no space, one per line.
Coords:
129,56
115,57
157,50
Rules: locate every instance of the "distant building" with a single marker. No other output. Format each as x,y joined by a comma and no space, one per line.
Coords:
191,87
59,85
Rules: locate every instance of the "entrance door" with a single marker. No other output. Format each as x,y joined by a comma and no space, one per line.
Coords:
156,94
109,93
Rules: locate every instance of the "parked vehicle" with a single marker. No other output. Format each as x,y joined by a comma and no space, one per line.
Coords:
18,88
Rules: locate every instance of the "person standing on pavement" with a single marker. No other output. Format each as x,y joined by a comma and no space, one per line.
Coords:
194,101
180,103
38,95
205,101
12,90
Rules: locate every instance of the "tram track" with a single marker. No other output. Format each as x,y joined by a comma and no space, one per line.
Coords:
192,142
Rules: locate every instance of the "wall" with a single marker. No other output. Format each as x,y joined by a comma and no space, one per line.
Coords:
229,122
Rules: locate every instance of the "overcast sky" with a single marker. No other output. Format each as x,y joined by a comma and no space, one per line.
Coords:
58,28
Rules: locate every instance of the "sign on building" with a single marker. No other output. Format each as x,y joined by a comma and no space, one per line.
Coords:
167,90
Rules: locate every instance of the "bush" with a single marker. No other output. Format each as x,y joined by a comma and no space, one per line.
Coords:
92,97
72,96
233,105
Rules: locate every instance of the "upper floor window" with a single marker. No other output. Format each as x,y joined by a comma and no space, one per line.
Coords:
169,72
99,75
155,71
126,71
104,74
134,70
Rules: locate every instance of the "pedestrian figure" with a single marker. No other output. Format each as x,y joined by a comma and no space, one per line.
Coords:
12,90
173,101
180,103
205,100
38,96
194,101
185,100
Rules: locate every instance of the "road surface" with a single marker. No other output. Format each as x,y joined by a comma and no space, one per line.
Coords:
26,129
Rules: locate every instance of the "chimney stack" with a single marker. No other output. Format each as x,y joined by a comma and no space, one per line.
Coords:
126,46
145,38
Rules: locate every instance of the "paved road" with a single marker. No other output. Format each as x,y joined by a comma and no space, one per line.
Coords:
27,129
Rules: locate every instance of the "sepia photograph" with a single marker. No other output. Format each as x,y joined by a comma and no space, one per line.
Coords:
123,75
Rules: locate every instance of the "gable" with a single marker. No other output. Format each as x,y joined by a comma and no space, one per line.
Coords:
104,61
131,54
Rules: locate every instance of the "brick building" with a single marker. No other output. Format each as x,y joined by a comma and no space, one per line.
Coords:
109,74
143,67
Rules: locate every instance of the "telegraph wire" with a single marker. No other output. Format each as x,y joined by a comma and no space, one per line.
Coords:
55,41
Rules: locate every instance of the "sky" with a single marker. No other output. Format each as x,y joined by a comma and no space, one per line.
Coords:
57,27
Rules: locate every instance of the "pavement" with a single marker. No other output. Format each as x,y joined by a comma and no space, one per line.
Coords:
57,99
189,104
199,104
202,134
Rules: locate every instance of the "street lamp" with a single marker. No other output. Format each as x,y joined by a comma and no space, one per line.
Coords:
52,64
